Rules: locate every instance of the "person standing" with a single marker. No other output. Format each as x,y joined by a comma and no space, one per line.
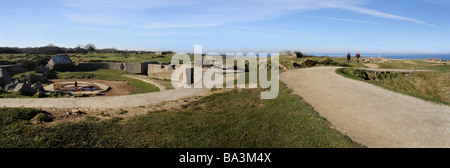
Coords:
357,57
349,57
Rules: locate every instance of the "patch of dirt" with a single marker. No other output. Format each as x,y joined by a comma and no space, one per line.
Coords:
374,66
118,88
410,62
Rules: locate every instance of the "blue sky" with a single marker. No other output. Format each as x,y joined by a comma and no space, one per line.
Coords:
311,26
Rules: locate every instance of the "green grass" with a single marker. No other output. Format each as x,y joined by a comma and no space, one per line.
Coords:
10,116
24,75
430,86
418,65
14,95
235,119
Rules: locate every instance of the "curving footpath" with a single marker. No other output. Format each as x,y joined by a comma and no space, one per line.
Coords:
368,114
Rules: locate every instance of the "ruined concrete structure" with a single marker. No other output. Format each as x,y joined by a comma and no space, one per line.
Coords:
5,78
160,71
60,63
129,67
165,72
100,65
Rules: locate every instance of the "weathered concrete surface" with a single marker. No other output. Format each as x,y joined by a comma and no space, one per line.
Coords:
370,115
60,63
138,68
14,69
5,78
131,67
24,89
135,68
160,71
101,65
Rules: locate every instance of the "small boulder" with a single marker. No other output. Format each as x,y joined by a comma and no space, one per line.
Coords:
40,69
77,112
293,54
36,78
24,89
5,78
40,93
24,80
38,86
60,63
299,54
11,85
44,70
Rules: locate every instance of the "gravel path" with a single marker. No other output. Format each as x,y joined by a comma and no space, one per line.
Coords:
370,115
101,102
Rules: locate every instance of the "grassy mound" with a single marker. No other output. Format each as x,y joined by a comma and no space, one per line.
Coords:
430,86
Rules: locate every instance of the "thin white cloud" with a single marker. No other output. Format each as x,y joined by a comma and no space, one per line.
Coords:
153,34
345,20
124,4
379,14
98,19
159,25
265,29
202,13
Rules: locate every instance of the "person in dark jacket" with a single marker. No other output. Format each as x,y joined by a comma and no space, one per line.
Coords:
349,57
357,57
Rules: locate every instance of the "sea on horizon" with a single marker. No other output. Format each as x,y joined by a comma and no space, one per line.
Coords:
392,56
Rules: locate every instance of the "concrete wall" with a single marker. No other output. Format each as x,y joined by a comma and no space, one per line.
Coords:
133,67
100,65
156,71
165,72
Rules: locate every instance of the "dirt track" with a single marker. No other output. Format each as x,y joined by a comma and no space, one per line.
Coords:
370,115
105,102
101,102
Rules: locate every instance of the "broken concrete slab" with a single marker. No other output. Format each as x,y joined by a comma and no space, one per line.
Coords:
33,78
60,63
38,86
11,85
24,89
44,70
5,78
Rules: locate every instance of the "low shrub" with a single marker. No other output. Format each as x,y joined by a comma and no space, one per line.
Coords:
41,117
310,63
